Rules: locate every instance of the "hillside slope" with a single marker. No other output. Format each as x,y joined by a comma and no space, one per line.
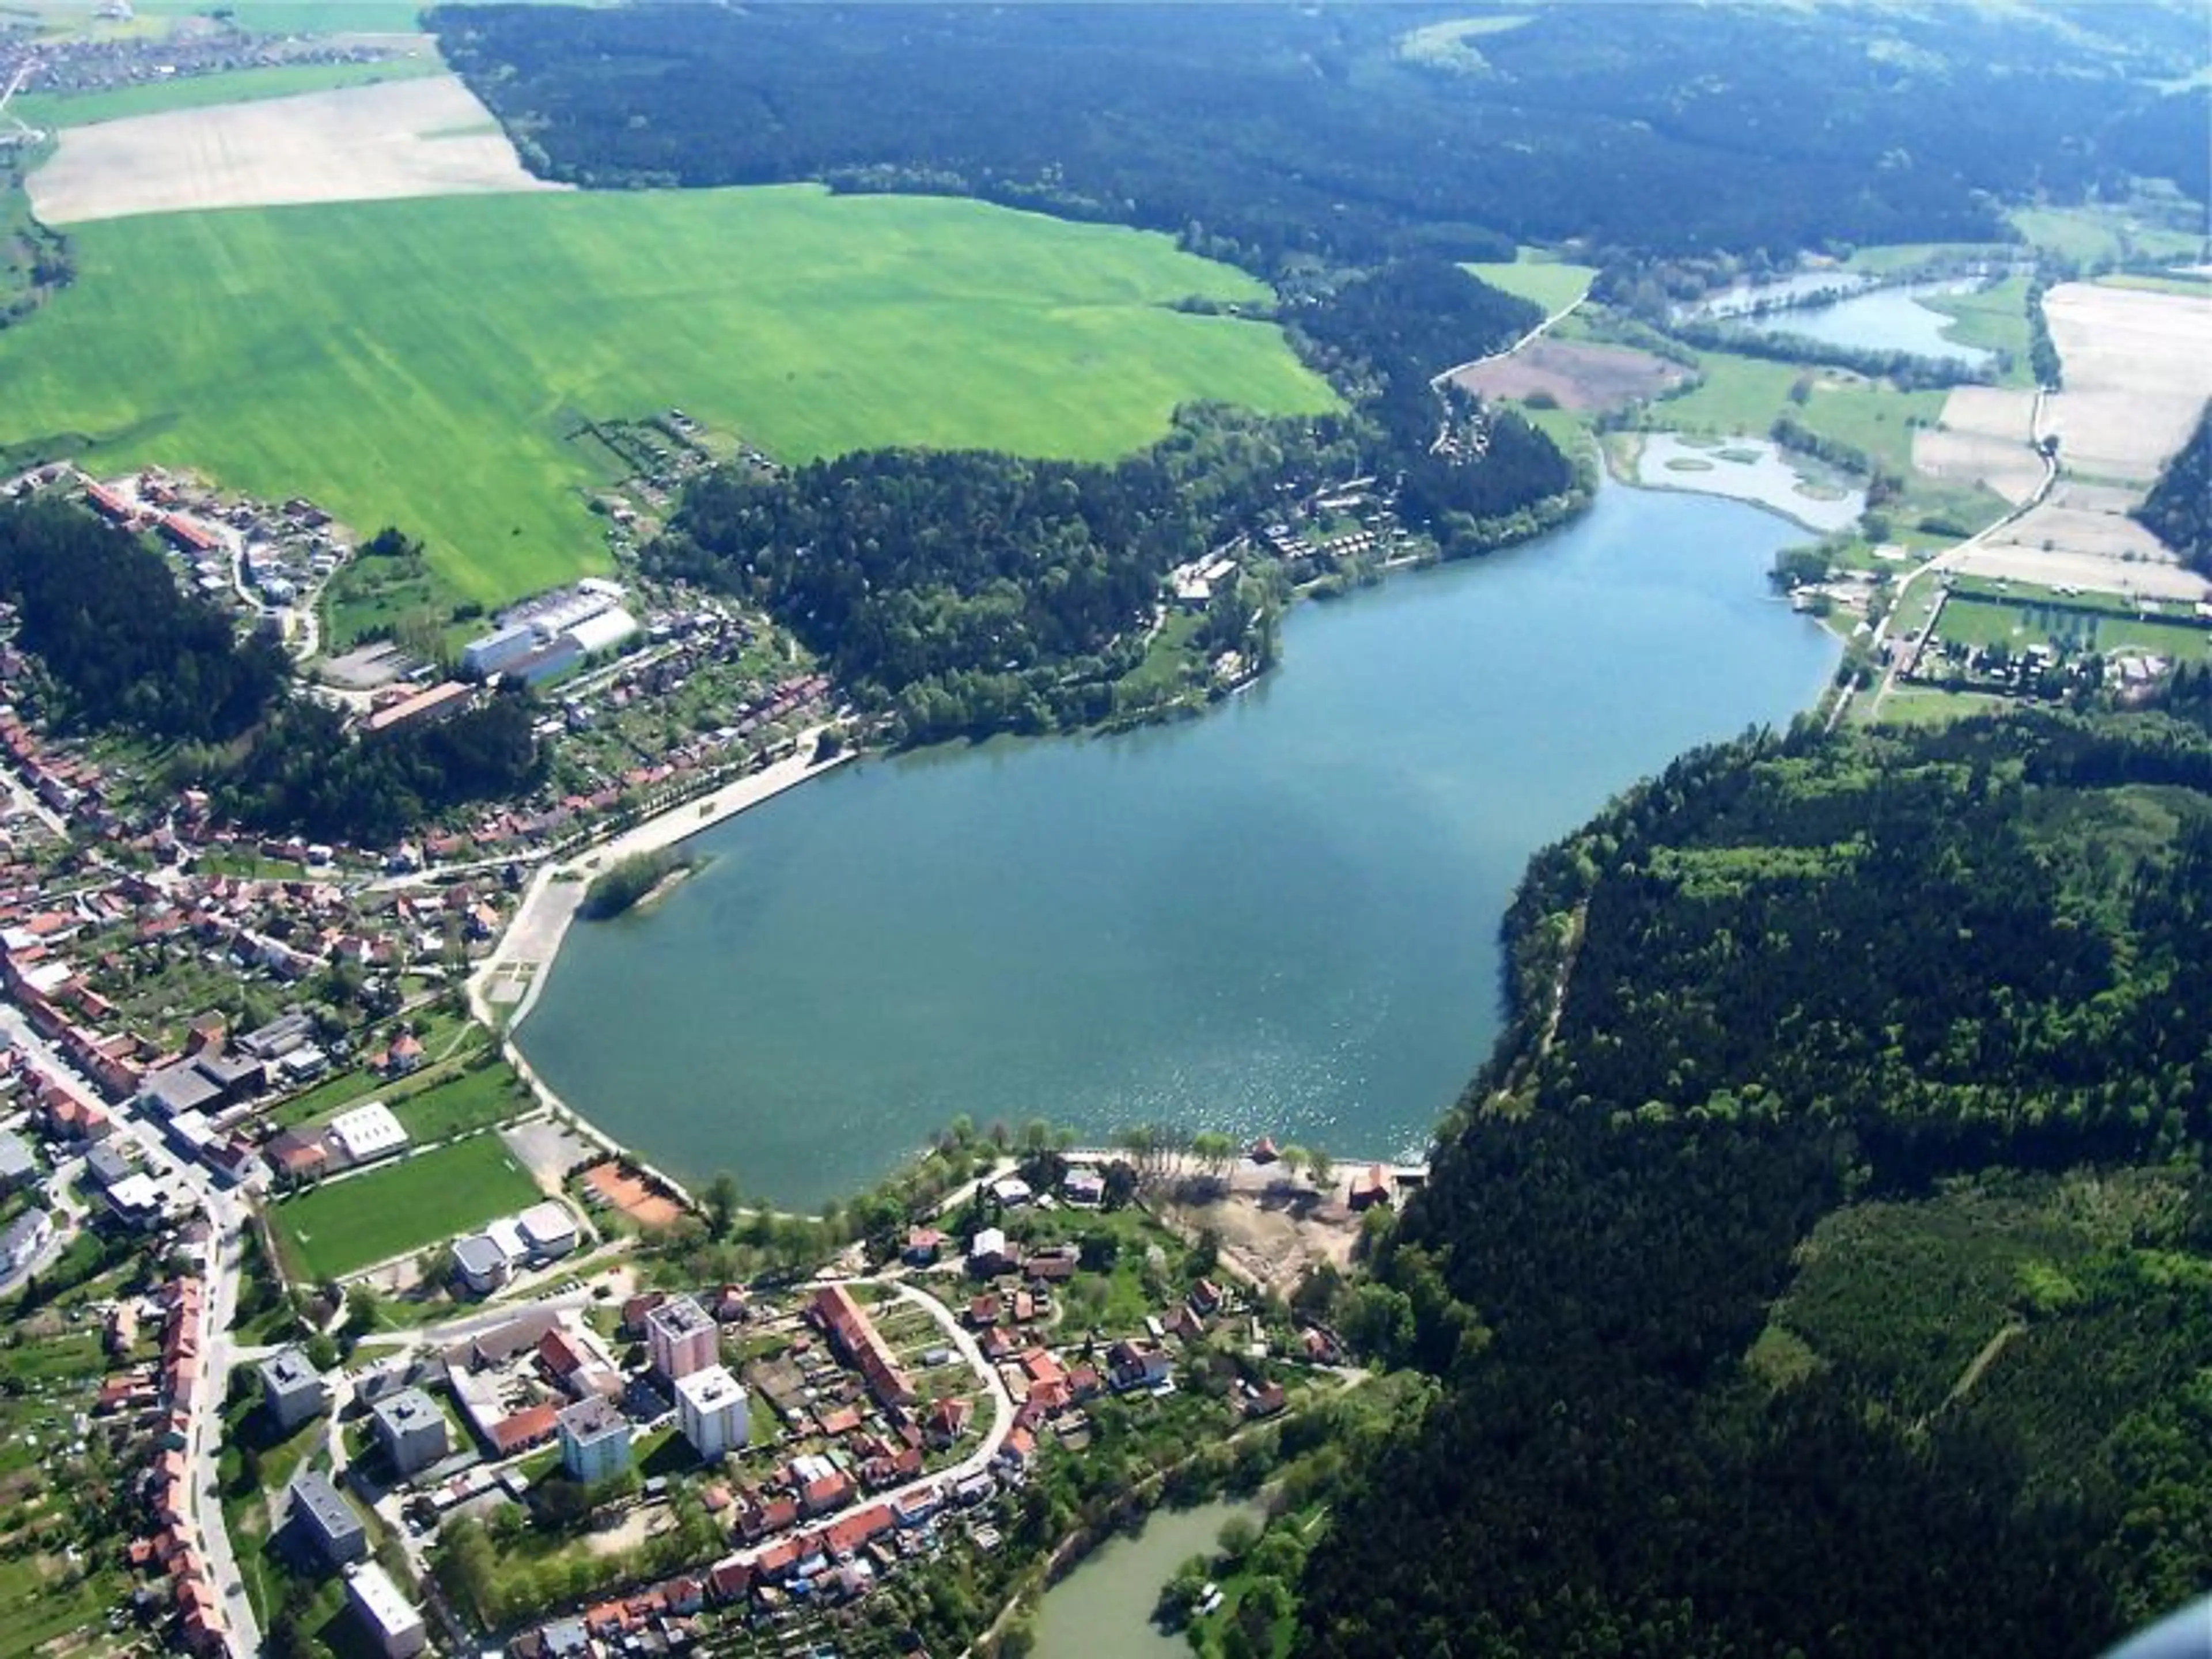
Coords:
1821,1263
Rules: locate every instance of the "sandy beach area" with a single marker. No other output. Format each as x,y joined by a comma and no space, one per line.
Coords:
510,977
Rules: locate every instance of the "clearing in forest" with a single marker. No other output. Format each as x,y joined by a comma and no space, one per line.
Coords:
1552,283
426,363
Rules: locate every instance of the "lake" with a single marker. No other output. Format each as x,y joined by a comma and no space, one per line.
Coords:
1887,320
1740,300
1103,1608
1281,918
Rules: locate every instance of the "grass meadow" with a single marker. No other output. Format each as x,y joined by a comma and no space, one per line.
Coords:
423,362
1746,394
2029,619
344,1227
2088,233
1995,319
1552,284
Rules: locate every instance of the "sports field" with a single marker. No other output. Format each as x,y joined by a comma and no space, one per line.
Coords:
423,361
346,1225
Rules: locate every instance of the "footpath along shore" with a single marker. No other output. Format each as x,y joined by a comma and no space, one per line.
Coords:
524,957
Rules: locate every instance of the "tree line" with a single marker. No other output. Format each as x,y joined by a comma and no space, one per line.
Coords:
971,591
2178,509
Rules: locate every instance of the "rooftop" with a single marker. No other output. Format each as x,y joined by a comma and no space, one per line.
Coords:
679,1316
287,1368
590,1417
710,1389
379,1598
313,1493
408,1409
369,1129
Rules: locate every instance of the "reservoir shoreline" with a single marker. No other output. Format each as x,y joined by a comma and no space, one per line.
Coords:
531,941
1010,929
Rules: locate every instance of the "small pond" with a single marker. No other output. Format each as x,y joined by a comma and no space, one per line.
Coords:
1103,1609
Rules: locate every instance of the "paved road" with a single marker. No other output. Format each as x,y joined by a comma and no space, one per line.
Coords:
1002,1416
1527,339
226,1215
1949,558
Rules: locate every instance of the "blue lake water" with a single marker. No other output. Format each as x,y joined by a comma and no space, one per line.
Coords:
1281,918
1888,319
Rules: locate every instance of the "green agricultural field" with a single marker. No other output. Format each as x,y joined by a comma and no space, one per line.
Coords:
1993,320
1552,284
422,362
2087,234
1888,260
1746,394
346,1225
247,86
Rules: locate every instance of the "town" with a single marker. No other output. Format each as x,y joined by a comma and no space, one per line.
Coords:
364,1337
546,1436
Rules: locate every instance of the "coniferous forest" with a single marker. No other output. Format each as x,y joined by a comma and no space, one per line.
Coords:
1271,135
1823,1263
121,641
2178,509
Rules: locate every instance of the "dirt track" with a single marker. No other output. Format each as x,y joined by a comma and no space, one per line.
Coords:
417,137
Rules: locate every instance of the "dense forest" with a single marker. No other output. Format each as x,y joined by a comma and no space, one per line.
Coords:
123,644
304,775
126,649
1823,1263
1356,134
2178,509
968,591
